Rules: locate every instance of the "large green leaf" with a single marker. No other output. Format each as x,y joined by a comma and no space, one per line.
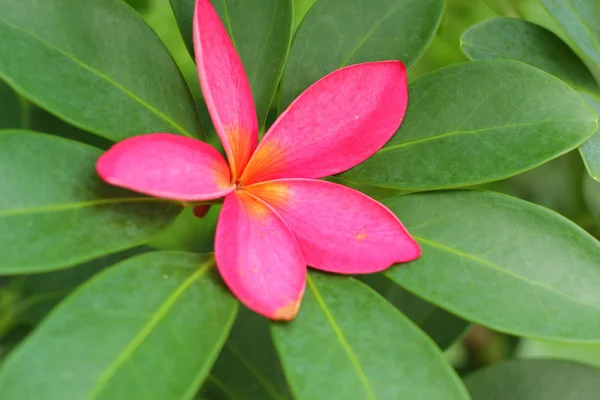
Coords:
503,263
444,328
535,380
579,19
261,33
248,367
336,33
56,212
495,39
348,342
477,122
98,66
149,327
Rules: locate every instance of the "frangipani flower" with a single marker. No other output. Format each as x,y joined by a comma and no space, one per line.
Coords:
277,218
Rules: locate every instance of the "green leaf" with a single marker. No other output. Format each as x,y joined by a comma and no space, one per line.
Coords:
149,327
495,39
37,294
261,32
347,342
535,379
248,366
579,19
55,211
10,104
591,195
336,33
104,70
503,263
477,122
441,326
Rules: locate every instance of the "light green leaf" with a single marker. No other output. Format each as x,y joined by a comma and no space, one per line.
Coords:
104,70
495,39
441,326
55,211
347,342
336,33
248,366
261,32
503,263
535,380
477,122
579,19
149,327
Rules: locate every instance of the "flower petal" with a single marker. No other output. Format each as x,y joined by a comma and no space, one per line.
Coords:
168,166
337,123
339,229
225,87
259,258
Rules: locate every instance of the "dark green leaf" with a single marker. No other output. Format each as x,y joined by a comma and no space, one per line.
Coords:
503,263
535,380
579,19
56,212
336,33
149,327
444,328
104,70
248,366
37,294
10,104
261,34
534,45
478,122
347,342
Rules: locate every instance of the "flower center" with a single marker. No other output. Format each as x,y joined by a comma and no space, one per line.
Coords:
238,184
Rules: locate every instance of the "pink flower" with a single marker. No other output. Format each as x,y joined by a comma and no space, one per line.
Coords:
277,218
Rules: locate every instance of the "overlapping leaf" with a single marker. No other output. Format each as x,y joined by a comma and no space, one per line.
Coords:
348,342
478,122
503,263
55,212
97,65
149,327
495,39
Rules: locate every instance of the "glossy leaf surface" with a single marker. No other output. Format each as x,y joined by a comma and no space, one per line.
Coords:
348,342
55,212
495,39
260,32
478,122
337,33
158,314
103,68
535,379
503,263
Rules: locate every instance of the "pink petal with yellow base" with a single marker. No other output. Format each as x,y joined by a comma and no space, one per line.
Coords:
167,166
337,123
225,87
339,229
258,257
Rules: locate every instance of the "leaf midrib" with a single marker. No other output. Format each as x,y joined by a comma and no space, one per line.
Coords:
147,329
502,270
105,77
475,131
342,339
82,204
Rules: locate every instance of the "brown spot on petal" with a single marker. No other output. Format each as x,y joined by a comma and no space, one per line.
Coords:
288,312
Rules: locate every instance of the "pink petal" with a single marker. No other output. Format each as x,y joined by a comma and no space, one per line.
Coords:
168,166
337,123
225,87
339,229
259,258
